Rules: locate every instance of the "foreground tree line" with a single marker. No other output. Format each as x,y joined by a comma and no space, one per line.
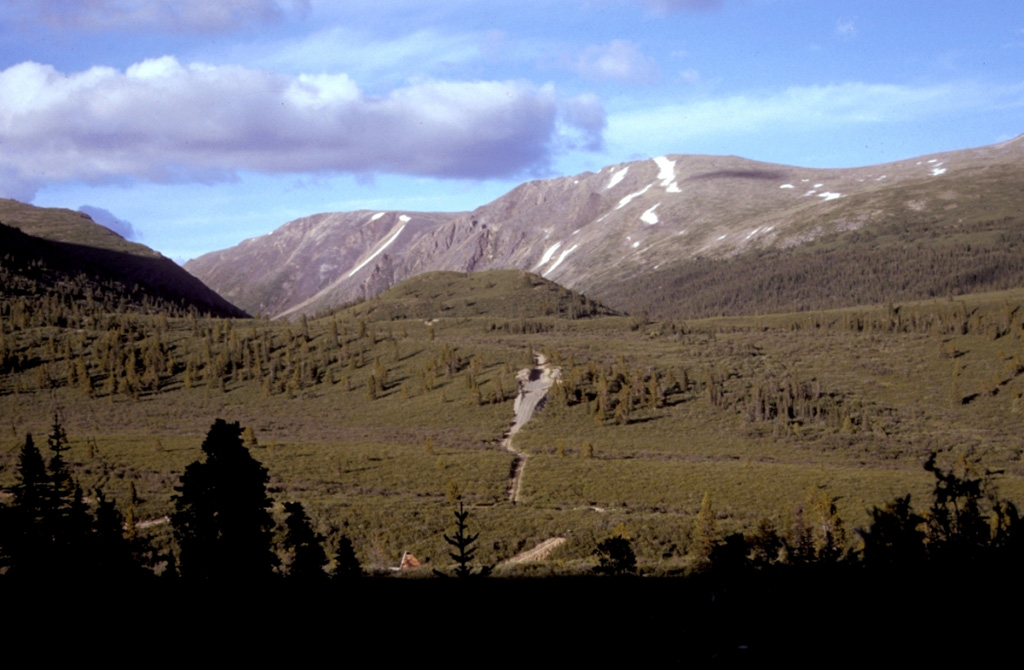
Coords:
225,533
222,524
967,525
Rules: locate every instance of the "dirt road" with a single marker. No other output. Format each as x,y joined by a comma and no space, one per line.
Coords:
533,389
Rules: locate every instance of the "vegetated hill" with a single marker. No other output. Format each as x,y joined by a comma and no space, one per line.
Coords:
605,233
50,252
376,425
499,294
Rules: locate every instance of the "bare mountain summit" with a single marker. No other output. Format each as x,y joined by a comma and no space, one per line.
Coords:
594,232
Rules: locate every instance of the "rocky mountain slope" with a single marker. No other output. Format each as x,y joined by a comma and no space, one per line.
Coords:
598,232
47,250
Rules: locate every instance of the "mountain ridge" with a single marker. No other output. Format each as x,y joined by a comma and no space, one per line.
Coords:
593,231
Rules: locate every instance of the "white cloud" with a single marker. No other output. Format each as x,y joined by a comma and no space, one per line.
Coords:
162,120
160,15
618,60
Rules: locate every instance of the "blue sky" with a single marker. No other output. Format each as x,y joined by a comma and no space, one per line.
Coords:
195,124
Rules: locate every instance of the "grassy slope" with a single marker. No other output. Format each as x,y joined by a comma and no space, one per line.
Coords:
939,376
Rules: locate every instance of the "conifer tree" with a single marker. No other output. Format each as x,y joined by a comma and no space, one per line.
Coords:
24,537
48,532
221,519
463,541
29,492
303,546
66,519
346,565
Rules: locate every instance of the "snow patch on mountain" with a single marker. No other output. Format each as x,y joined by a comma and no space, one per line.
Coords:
829,195
617,177
667,174
629,198
649,217
548,254
560,259
786,186
376,216
394,236
937,171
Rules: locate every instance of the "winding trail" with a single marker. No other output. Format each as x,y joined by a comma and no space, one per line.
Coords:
533,388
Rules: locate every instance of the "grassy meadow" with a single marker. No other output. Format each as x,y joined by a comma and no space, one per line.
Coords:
378,416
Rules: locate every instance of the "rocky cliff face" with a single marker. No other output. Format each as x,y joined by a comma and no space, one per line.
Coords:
586,232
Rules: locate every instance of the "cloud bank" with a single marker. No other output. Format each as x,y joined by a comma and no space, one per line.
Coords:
163,121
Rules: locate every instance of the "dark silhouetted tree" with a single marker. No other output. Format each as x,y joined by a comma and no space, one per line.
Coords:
221,519
62,525
958,529
67,519
48,533
966,523
895,538
305,554
346,565
463,541
615,557
26,536
112,555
